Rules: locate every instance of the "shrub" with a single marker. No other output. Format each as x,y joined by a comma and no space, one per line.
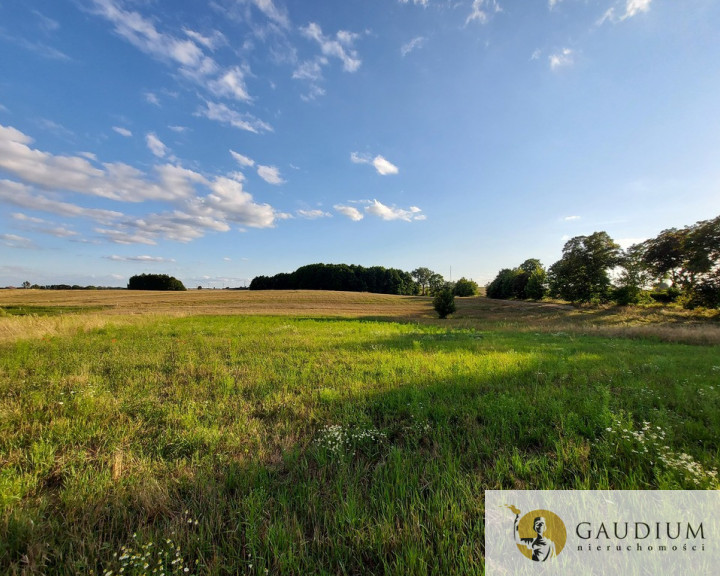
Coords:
444,303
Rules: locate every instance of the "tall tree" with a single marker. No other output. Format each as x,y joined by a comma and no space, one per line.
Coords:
582,274
687,256
422,277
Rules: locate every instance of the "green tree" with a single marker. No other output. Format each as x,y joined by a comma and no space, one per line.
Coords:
444,303
536,286
634,277
465,287
436,283
685,256
422,278
502,286
582,274
155,282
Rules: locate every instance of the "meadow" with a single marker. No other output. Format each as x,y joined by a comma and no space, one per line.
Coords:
218,432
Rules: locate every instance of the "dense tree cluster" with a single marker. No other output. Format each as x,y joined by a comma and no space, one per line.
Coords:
526,281
155,282
678,264
465,287
340,277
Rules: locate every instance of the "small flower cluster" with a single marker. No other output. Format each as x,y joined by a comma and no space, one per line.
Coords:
339,441
163,559
686,463
650,441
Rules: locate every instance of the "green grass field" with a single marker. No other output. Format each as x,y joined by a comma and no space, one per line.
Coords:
284,444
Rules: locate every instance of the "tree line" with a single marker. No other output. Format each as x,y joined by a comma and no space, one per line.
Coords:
680,265
353,278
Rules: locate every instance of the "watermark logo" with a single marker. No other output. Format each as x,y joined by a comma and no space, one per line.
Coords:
540,535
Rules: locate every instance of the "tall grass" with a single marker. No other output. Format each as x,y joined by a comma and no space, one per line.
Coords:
277,445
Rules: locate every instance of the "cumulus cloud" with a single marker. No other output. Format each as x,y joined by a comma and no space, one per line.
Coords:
349,211
383,166
198,204
270,174
380,210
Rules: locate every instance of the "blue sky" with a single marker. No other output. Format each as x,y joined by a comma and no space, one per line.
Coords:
216,140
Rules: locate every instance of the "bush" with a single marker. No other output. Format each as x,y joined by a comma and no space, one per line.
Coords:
444,303
666,296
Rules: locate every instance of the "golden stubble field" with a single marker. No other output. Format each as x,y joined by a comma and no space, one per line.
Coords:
37,313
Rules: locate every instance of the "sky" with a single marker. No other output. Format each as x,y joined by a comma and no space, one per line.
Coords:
219,140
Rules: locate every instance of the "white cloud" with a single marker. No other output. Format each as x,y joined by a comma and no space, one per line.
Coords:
22,196
277,15
144,259
270,174
244,161
416,2
155,145
553,3
178,129
561,59
571,218
414,44
212,42
631,8
185,52
341,47
383,166
231,84
122,131
358,158
236,205
225,115
197,204
152,98
482,10
313,93
349,211
15,241
380,210
310,69
313,214
143,34
634,7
